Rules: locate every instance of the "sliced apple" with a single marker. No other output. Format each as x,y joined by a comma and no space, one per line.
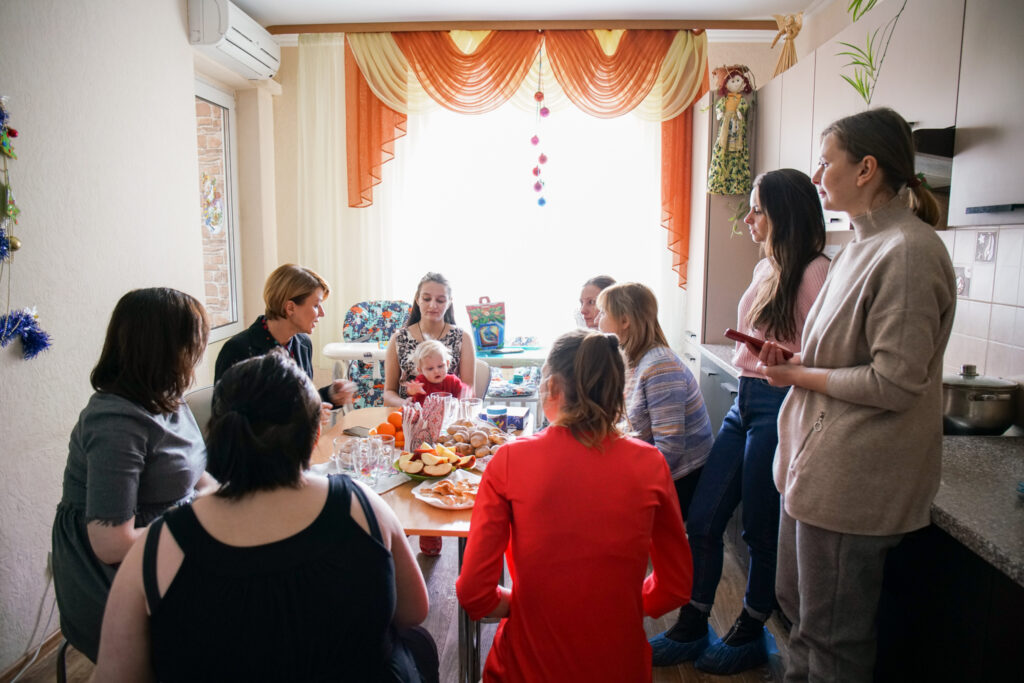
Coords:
425,448
438,470
404,458
431,458
413,467
447,454
467,462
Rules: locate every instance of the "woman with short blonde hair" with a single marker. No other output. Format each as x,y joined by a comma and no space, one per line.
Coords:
663,400
290,283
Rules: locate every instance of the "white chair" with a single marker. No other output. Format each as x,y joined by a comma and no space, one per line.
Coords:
200,402
481,379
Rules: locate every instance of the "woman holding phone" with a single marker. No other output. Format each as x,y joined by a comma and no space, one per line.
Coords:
860,435
785,218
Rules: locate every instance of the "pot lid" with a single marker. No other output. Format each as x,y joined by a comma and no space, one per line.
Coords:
969,377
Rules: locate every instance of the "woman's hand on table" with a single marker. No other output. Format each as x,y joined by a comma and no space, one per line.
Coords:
325,414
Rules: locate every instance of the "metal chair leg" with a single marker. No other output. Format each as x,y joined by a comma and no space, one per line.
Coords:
62,665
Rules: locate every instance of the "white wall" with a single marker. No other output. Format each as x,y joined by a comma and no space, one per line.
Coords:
102,95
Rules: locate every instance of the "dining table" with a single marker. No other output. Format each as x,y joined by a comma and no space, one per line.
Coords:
417,518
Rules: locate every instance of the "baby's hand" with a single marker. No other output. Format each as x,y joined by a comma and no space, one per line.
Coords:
414,388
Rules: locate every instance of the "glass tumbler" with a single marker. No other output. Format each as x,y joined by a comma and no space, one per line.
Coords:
470,408
386,456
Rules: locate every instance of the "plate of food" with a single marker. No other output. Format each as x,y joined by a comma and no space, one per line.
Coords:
454,492
428,462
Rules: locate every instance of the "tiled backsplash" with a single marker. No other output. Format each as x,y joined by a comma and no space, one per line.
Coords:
988,330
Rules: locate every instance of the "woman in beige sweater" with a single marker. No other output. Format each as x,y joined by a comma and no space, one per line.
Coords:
860,435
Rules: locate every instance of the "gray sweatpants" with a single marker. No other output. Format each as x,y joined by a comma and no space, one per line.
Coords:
828,584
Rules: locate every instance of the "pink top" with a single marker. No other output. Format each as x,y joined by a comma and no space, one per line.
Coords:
579,525
810,285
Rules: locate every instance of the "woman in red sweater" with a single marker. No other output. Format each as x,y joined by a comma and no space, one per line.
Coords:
580,508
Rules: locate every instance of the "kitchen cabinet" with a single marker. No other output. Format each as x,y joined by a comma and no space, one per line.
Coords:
768,124
988,163
718,386
796,146
720,262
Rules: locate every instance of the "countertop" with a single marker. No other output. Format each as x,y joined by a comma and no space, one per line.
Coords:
977,502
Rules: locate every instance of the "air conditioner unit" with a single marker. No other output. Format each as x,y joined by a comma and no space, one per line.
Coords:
220,30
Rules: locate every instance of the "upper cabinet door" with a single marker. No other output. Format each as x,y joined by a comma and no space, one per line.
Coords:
988,163
798,102
919,74
767,126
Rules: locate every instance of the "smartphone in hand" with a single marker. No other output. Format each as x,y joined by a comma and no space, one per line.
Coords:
753,341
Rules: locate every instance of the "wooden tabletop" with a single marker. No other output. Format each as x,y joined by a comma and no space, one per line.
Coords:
416,517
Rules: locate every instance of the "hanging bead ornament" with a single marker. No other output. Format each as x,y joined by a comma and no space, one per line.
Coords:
23,323
542,112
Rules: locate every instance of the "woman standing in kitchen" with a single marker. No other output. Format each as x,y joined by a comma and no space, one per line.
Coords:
664,405
860,435
785,218
431,318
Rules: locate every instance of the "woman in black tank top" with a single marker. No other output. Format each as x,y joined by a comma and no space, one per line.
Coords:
281,574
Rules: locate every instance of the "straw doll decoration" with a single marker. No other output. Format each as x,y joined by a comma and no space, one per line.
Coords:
730,157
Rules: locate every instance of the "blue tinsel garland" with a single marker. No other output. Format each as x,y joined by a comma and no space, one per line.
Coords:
25,325
5,245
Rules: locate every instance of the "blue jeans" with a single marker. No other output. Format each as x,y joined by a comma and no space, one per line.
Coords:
740,468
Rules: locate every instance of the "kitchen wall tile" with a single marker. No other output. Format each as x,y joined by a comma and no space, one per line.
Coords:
1004,360
1020,292
1003,320
1004,288
983,277
963,349
1011,247
948,238
977,319
1018,328
963,248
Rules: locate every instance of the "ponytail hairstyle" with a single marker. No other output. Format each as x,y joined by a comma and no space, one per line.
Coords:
886,136
636,303
588,369
264,425
795,238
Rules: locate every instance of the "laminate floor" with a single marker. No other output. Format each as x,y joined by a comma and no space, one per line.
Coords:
442,623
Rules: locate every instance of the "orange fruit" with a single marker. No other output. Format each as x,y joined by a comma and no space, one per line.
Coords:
372,432
399,440
386,428
395,419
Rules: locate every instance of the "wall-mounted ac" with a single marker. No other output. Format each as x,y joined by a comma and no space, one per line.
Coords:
220,30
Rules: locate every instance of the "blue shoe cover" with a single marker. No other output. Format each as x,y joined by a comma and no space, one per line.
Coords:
668,652
725,660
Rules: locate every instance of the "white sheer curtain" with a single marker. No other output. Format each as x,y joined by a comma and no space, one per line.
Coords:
349,247
458,199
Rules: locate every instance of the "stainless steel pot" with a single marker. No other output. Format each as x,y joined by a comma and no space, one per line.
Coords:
977,405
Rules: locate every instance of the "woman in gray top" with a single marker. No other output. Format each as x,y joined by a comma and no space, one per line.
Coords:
135,451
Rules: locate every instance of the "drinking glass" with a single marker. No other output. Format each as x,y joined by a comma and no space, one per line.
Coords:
348,452
386,456
469,408
369,452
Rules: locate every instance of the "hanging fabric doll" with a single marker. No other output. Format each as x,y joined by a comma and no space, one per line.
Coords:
730,156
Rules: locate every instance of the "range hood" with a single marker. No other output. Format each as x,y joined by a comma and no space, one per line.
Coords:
934,157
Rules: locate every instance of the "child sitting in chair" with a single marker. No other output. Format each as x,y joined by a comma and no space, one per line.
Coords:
432,358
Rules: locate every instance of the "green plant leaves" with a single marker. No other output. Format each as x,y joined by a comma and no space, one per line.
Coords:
858,8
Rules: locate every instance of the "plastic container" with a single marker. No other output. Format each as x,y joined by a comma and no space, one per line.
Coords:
498,416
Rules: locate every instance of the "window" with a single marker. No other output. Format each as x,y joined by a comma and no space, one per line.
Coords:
215,143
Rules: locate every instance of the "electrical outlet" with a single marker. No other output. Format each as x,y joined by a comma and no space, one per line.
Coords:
49,564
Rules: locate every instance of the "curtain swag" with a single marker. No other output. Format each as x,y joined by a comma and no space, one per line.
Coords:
656,74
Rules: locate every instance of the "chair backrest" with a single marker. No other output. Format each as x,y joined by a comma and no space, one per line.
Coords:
200,402
481,378
367,322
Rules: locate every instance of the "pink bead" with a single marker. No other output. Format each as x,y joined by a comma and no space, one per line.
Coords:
544,111
539,96
538,186
534,140
543,158
536,170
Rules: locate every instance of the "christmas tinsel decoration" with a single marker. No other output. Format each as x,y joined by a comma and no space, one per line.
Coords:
24,324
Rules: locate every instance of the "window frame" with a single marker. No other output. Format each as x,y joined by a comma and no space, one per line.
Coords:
226,100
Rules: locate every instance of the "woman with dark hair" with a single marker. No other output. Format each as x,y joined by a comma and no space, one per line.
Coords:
663,400
860,438
785,218
294,298
431,317
135,452
580,545
281,574
587,315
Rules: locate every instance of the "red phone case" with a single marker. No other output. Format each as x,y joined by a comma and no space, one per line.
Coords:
753,341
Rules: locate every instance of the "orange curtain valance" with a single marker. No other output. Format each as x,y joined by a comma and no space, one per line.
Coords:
605,85
472,83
